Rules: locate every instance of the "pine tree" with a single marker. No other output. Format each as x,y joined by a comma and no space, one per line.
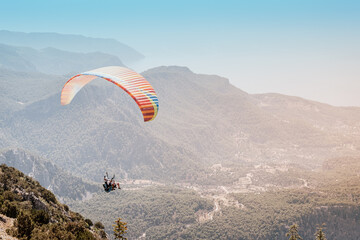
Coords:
293,233
120,229
320,235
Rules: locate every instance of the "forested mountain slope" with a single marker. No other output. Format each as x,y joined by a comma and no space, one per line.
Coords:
18,89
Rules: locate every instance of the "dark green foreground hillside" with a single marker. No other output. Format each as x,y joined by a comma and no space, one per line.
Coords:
37,212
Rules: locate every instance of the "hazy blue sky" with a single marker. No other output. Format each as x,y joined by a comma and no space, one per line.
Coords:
307,48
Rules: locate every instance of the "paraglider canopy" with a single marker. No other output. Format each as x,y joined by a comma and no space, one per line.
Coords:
131,82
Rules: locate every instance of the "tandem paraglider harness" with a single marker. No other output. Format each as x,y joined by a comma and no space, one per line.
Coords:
108,188
110,185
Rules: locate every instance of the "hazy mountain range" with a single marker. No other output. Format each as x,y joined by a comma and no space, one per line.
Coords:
52,60
69,42
224,144
202,120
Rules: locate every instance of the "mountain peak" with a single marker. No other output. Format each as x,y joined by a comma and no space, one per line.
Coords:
169,69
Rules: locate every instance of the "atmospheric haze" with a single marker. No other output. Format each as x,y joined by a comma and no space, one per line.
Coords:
302,48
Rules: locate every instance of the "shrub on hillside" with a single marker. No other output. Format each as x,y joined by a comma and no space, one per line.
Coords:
99,225
24,225
40,216
9,209
48,196
89,222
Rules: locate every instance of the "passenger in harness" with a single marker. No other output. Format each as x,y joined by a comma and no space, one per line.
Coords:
110,184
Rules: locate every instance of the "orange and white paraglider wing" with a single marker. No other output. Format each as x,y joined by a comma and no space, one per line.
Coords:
131,82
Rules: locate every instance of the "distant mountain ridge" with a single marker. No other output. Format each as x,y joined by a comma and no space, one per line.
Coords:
70,42
53,61
202,120
28,75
